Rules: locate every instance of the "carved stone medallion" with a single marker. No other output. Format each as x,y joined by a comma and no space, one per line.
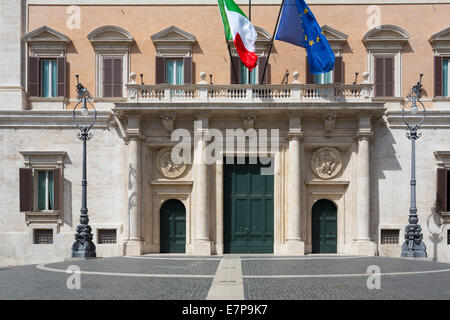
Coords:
326,162
167,167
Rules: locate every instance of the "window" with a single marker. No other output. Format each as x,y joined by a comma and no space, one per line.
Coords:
390,236
448,237
334,76
49,77
174,71
323,78
112,77
46,77
43,236
244,74
441,76
45,194
385,45
112,46
384,76
107,236
240,74
443,190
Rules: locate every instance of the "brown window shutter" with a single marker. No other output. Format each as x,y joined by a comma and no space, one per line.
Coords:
187,70
160,72
379,77
58,188
118,77
61,76
389,77
236,64
441,190
309,75
338,74
107,77
26,189
33,77
438,76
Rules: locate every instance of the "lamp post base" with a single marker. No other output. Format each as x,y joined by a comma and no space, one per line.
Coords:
414,247
83,247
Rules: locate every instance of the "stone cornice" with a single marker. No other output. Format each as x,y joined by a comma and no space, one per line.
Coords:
48,119
435,119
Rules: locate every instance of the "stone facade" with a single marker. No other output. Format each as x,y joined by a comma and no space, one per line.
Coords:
337,141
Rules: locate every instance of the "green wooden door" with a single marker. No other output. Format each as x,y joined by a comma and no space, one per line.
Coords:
173,227
248,209
324,227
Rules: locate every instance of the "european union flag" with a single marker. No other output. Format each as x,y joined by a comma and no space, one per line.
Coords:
299,27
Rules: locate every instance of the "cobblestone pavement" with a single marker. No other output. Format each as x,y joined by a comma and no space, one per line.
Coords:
262,277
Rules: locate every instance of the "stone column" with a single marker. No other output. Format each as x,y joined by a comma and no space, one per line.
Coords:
202,243
133,243
294,243
364,245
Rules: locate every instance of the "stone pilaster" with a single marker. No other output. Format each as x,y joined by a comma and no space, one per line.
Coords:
12,55
202,242
294,244
133,244
364,245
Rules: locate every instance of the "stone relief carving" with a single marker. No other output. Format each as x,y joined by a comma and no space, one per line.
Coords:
167,167
326,163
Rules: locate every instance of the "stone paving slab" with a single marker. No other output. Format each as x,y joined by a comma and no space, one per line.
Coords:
27,283
334,265
427,286
149,266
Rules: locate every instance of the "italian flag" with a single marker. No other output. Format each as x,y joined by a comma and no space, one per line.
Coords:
239,29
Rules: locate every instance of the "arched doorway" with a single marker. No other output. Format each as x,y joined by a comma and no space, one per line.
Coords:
324,227
173,227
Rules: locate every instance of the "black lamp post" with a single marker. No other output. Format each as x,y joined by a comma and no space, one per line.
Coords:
83,247
414,245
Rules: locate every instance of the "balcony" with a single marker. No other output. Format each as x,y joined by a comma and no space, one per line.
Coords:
249,94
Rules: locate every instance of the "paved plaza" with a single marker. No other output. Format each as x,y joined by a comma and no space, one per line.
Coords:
229,277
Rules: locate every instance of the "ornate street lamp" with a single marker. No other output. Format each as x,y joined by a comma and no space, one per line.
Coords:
83,247
414,245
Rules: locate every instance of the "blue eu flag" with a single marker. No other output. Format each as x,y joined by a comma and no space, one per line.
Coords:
299,27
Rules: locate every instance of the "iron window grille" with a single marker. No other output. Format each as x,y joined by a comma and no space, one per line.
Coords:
390,236
107,236
448,237
43,236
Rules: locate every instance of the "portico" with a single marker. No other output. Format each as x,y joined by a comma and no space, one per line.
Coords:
323,154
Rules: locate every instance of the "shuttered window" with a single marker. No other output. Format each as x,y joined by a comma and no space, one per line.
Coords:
112,77
41,190
334,76
244,74
173,70
46,77
240,73
384,77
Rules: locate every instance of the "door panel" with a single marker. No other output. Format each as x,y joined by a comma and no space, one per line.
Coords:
173,227
248,209
324,227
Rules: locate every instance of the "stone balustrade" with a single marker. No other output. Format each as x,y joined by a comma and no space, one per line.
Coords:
288,93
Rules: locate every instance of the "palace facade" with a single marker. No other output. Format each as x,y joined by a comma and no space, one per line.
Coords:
337,183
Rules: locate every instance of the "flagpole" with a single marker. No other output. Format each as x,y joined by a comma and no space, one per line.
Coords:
250,19
231,60
271,43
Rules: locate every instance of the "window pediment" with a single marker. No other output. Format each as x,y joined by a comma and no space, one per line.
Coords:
441,41
336,38
261,44
386,37
110,35
46,34
173,41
